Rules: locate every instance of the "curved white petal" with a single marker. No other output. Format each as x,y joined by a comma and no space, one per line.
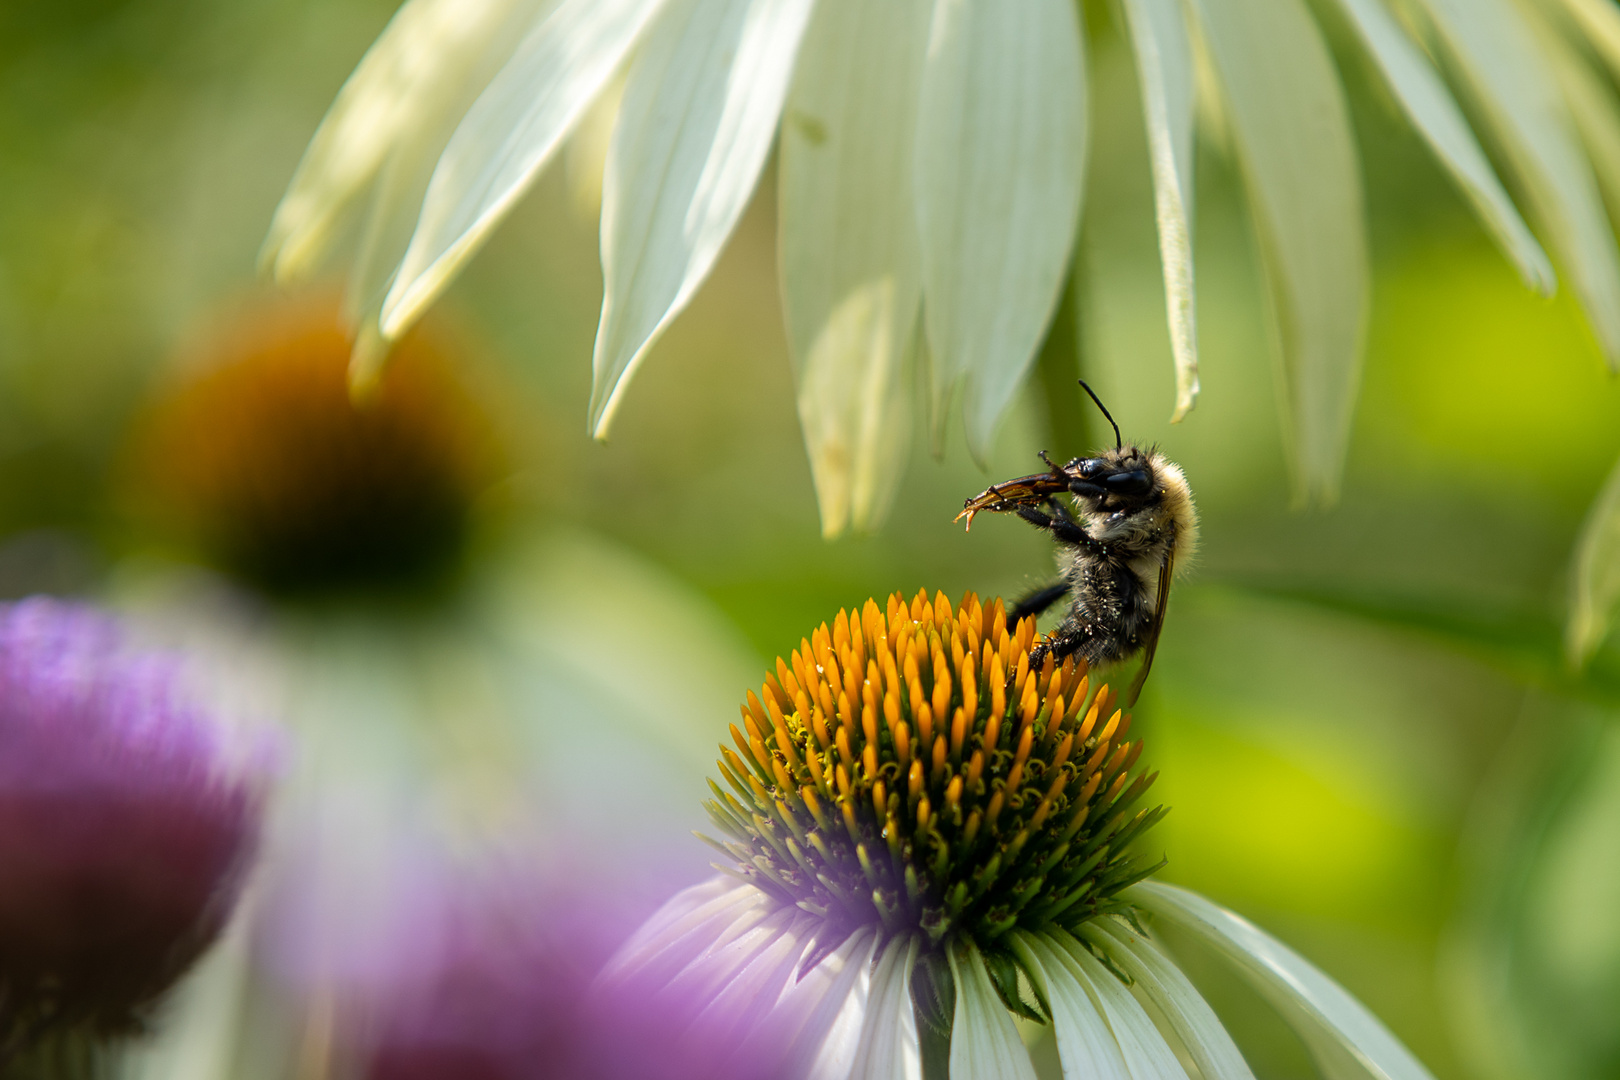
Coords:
1595,588
851,273
430,60
692,922
985,1044
699,116
889,1047
1001,145
1164,66
1600,20
1430,107
507,136
1290,126
738,999
1347,1039
820,1014
1195,1023
1086,1045
1147,1055
868,1030
1514,82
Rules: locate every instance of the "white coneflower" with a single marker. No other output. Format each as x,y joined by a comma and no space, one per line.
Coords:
932,837
931,163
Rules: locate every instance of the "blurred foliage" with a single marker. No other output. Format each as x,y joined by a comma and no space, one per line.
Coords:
1341,699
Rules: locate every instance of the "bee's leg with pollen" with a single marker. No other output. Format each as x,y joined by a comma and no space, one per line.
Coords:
1060,644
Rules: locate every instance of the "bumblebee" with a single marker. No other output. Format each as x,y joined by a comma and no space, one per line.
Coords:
1137,524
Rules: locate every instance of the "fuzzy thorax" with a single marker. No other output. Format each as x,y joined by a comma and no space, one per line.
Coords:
907,769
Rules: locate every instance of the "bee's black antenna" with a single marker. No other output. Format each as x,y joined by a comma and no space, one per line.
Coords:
1118,442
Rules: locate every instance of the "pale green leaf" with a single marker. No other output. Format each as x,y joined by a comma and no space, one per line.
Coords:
1289,125
1600,20
1164,66
851,277
699,117
1001,146
1513,79
507,136
984,1041
1346,1039
1595,591
1433,112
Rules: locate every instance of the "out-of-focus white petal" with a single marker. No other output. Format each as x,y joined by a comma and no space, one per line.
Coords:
820,1015
851,276
427,64
1430,107
1291,129
1600,19
1001,147
1591,105
1164,66
1086,1045
984,1040
694,921
699,116
739,1000
1347,1039
1513,80
1195,1023
889,1048
1595,590
507,136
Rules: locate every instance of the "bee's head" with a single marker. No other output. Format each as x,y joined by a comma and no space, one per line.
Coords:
1121,480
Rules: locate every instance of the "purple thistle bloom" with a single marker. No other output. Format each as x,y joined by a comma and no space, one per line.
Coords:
124,832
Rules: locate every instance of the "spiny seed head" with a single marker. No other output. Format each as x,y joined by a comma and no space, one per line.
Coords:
906,768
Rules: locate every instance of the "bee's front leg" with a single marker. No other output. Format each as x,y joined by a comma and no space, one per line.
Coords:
1061,526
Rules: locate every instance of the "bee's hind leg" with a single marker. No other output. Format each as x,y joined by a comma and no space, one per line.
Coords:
1034,603
1060,644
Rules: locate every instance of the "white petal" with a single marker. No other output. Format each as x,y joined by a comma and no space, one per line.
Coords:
1512,79
1147,1056
1347,1039
1601,22
1289,123
1435,114
1086,1045
1195,1023
889,1048
985,1044
429,61
507,136
738,999
694,920
1001,144
820,1015
1595,590
699,116
851,275
1164,65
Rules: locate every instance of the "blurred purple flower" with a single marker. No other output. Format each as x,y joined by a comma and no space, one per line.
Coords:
124,828
504,992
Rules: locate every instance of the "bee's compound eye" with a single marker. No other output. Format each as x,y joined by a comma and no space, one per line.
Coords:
1091,467
1135,482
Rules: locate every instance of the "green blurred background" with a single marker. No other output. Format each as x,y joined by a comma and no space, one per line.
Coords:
1365,729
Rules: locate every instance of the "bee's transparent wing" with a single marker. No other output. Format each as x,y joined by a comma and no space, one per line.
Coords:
1167,570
